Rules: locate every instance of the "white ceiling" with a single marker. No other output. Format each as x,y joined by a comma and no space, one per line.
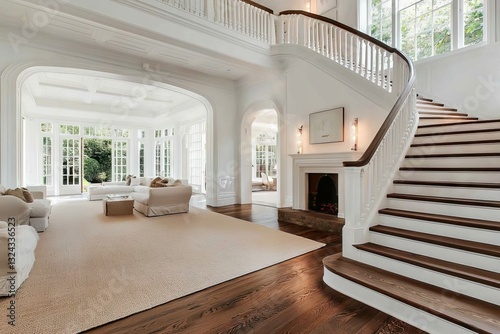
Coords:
94,97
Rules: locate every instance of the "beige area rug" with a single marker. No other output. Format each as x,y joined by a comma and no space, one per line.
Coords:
91,269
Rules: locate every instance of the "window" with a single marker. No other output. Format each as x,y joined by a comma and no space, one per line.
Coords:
141,159
119,160
265,154
196,146
381,20
163,153
473,22
71,162
47,176
426,27
92,131
167,158
69,129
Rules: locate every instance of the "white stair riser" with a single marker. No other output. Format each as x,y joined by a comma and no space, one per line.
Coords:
455,149
416,317
443,191
447,230
424,121
442,138
449,176
465,258
466,211
456,284
459,127
452,162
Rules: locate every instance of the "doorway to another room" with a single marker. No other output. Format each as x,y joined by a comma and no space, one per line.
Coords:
265,158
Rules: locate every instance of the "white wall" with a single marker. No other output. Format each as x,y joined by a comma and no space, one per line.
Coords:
302,89
468,79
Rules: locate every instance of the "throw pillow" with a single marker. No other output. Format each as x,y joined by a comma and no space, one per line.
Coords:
165,180
2,190
177,182
160,184
153,181
28,197
135,181
128,180
18,192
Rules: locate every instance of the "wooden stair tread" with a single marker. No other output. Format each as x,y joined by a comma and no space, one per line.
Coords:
459,123
453,155
451,169
453,220
461,132
450,200
468,142
431,107
450,268
450,184
422,112
428,103
446,117
465,311
424,99
471,246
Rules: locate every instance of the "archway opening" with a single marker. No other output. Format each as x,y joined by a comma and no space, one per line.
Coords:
265,158
154,129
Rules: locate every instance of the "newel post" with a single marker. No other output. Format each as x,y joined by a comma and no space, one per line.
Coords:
353,232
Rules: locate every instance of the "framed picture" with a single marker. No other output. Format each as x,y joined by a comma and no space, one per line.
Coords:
326,126
323,6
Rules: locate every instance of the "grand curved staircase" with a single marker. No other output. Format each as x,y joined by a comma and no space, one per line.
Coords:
433,257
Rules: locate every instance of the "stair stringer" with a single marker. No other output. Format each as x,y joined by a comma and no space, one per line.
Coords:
407,313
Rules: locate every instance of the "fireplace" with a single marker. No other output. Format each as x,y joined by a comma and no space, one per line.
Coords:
323,193
318,163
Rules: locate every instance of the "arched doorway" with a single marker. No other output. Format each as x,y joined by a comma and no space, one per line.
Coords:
14,107
261,152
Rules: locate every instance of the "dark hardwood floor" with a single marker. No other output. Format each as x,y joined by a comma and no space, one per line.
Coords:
289,297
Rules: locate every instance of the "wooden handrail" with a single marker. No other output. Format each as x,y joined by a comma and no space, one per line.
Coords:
370,151
264,8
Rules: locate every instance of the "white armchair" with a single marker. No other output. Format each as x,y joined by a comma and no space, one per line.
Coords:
267,182
25,240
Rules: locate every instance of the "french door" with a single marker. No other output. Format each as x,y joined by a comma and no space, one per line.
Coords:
70,182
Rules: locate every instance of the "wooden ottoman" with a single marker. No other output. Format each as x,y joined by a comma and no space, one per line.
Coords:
114,206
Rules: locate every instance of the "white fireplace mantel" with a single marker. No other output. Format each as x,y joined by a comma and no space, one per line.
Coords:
328,163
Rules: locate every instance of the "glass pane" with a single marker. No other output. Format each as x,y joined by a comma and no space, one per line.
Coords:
442,30
424,7
424,36
473,21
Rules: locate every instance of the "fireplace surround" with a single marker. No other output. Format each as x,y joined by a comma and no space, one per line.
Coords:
324,163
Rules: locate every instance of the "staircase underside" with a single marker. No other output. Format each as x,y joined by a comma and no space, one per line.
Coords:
433,258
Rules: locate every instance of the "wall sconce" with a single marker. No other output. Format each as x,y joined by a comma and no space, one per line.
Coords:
354,135
299,140
308,6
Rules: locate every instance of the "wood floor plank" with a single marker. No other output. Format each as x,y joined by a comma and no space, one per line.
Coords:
289,297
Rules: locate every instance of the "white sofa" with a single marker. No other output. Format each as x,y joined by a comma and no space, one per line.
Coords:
99,192
151,201
26,242
162,201
35,214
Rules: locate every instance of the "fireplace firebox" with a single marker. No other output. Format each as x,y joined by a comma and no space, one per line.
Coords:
323,193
